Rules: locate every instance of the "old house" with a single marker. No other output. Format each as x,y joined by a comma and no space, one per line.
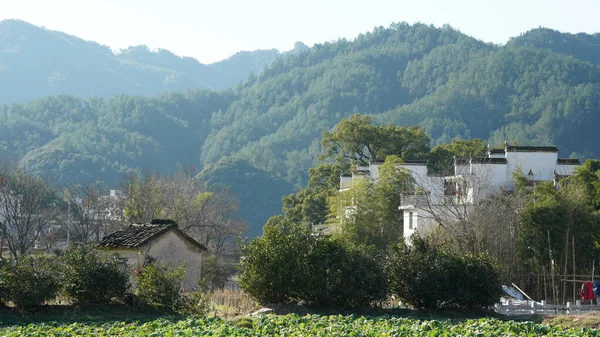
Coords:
161,240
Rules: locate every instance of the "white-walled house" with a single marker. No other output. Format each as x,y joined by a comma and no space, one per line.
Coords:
163,241
443,197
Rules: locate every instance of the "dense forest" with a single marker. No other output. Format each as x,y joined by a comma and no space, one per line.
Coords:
262,136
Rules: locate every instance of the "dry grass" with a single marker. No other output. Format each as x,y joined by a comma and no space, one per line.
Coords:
588,320
228,303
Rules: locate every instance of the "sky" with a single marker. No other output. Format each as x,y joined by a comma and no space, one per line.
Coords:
214,30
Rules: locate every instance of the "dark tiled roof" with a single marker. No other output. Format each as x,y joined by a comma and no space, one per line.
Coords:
568,161
377,161
497,151
511,148
345,175
486,160
137,235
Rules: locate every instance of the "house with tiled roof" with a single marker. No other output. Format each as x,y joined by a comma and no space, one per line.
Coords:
447,197
474,179
163,241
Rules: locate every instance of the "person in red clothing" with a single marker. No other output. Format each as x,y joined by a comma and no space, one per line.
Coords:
587,291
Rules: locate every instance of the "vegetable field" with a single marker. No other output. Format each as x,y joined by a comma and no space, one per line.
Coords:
293,325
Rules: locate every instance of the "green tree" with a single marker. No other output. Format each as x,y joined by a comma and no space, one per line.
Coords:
272,264
367,211
357,140
441,158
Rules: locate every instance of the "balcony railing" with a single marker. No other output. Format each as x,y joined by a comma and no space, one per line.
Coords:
421,200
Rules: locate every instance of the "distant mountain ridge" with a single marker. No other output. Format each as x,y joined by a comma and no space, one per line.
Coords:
37,62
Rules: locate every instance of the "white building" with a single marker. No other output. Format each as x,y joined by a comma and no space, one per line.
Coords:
447,197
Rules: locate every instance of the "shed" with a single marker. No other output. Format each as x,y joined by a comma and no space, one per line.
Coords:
161,239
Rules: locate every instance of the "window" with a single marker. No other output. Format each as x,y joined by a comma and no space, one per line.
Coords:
410,220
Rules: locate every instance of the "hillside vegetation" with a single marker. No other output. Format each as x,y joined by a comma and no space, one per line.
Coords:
541,88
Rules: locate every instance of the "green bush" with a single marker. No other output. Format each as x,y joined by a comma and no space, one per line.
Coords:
479,282
194,303
427,277
91,277
33,281
272,264
160,287
342,275
289,263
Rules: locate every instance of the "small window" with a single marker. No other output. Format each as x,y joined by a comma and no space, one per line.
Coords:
410,220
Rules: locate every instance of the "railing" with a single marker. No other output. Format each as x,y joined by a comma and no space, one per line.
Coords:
414,200
543,308
421,200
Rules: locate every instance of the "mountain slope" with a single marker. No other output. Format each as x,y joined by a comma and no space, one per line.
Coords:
36,62
585,47
261,137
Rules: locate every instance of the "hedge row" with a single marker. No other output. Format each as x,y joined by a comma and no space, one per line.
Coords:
86,276
290,263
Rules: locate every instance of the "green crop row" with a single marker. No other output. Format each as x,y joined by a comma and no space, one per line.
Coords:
292,326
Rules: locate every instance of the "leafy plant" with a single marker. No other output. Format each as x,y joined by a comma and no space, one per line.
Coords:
34,280
296,326
160,287
90,277
427,277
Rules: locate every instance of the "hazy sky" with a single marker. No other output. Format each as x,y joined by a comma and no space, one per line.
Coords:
214,30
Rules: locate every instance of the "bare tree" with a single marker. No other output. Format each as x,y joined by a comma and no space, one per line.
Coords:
144,200
92,211
209,216
447,202
495,224
27,208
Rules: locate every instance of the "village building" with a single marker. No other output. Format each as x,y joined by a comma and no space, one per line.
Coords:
161,240
470,180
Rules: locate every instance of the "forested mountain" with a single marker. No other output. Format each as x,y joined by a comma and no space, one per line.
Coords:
36,62
541,88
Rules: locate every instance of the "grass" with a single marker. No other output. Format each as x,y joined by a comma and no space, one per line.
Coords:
229,304
587,320
75,314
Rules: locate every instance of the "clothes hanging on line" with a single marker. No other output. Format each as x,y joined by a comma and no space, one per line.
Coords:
587,291
597,288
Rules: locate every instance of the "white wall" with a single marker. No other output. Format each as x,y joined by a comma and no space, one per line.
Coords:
345,182
566,169
170,250
487,178
542,164
374,168
422,223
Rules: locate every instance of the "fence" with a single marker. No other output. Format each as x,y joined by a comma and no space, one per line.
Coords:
543,308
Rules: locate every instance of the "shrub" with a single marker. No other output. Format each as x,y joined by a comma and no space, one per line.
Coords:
33,281
478,283
272,264
426,277
194,303
90,277
289,263
160,287
342,276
